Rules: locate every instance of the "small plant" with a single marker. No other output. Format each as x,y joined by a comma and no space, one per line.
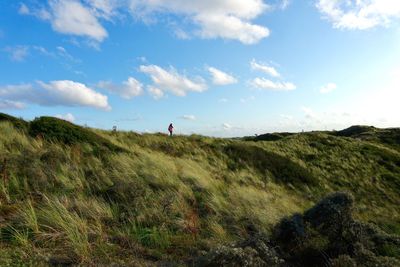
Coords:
19,237
151,237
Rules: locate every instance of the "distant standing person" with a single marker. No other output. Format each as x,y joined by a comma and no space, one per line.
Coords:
170,129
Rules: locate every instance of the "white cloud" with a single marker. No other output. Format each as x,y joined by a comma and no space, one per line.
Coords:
128,90
227,126
8,104
155,92
228,19
359,14
131,88
68,117
328,88
70,93
230,27
71,17
223,100
221,78
18,53
55,93
264,68
188,117
171,81
262,83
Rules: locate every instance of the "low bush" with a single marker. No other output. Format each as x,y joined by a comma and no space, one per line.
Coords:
20,124
283,169
57,130
355,130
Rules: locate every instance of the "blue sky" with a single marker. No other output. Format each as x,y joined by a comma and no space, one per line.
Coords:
213,67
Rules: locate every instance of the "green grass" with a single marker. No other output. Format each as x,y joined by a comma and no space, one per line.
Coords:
78,192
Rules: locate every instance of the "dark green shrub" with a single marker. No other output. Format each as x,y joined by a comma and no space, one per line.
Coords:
267,137
20,124
283,169
331,211
355,130
57,130
390,136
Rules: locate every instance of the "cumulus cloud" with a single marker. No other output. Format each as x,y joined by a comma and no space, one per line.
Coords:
8,104
70,93
68,117
263,83
73,17
359,14
128,90
55,93
228,19
171,81
264,68
209,19
230,27
221,78
328,88
188,117
155,92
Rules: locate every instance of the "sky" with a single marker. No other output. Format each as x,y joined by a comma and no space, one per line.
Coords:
212,67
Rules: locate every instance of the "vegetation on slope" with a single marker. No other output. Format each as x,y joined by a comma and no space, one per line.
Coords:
61,131
390,137
151,199
17,123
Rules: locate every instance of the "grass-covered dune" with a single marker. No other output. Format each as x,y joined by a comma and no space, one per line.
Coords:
77,196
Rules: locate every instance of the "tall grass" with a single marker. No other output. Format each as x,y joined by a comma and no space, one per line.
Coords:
57,224
176,195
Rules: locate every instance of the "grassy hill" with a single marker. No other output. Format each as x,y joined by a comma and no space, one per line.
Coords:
71,195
